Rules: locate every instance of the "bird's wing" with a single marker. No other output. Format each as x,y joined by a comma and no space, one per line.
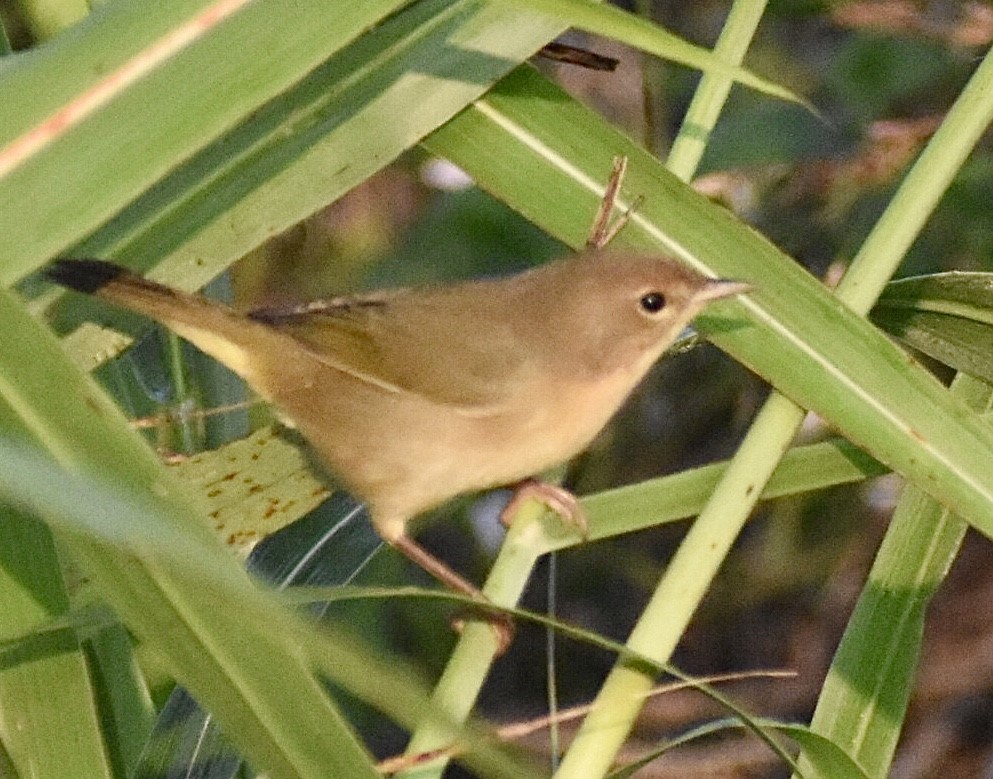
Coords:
404,344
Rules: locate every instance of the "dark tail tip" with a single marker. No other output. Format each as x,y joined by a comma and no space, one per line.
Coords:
87,276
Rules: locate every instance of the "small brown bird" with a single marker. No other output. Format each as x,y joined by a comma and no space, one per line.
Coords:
415,396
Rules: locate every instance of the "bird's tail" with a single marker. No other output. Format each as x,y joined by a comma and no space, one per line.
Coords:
215,328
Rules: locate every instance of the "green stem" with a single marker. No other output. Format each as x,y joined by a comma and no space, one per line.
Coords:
712,93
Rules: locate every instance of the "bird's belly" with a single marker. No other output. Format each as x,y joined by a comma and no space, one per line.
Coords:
404,454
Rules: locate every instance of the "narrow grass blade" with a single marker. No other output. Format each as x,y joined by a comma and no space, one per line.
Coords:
613,22
864,698
41,739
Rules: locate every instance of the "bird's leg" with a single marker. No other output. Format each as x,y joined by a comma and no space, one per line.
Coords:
557,499
501,623
602,232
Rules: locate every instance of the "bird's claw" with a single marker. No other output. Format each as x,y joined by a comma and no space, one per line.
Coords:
557,499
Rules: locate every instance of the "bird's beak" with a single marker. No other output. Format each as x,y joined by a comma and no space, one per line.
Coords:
717,289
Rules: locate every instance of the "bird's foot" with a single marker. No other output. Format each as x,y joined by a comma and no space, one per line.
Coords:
557,499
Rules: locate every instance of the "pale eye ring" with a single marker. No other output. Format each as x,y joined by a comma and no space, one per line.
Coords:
652,302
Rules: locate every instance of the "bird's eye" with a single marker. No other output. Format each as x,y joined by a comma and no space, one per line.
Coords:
653,302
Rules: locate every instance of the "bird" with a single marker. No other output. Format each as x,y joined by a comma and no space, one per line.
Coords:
414,396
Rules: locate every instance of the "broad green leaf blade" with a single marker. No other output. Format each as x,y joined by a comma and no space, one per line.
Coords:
682,495
613,22
827,758
339,122
150,84
864,698
948,316
532,145
956,293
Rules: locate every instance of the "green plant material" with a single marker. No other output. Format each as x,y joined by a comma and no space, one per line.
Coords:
47,18
828,760
125,701
613,22
35,736
948,316
872,395
710,96
532,145
424,64
41,739
236,649
327,548
705,546
616,511
682,495
251,662
5,47
846,370
710,538
252,487
90,515
138,73
864,698
83,621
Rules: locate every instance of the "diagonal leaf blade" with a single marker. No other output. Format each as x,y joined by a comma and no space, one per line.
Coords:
118,120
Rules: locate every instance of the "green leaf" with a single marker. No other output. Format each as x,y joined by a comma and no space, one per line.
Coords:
948,316
41,739
863,702
287,134
138,74
252,487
